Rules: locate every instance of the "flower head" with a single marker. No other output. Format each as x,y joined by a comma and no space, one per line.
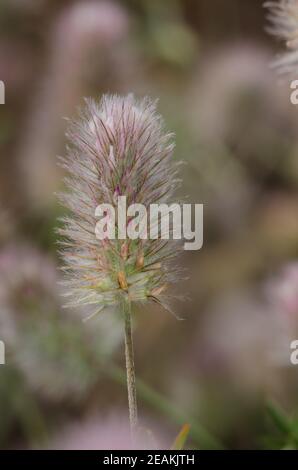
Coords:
118,148
284,24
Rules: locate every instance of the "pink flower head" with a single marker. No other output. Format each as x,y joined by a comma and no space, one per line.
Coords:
117,147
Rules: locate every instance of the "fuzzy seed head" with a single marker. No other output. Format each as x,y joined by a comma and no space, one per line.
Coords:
118,147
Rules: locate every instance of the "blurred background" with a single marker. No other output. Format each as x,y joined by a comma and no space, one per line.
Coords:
226,368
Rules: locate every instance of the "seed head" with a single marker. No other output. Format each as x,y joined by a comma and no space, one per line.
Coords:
118,147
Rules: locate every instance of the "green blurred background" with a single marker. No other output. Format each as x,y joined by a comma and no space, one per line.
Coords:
226,368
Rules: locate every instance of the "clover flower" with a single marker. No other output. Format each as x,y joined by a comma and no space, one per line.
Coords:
284,24
117,148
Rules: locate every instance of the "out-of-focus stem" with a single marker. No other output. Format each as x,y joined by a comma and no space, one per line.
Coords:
130,369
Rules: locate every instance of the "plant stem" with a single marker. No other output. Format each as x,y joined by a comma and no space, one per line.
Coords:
130,369
198,433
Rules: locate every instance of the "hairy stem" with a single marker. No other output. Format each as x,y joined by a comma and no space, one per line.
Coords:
130,369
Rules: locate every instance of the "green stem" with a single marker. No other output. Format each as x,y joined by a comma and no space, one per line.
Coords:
130,369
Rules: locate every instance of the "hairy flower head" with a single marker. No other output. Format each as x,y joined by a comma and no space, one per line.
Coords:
118,147
284,24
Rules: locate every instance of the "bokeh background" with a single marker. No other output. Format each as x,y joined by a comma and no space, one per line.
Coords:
226,368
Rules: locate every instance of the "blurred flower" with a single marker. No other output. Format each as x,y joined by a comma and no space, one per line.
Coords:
118,148
284,24
283,291
105,432
236,341
227,76
56,358
83,27
232,92
282,297
250,337
26,275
